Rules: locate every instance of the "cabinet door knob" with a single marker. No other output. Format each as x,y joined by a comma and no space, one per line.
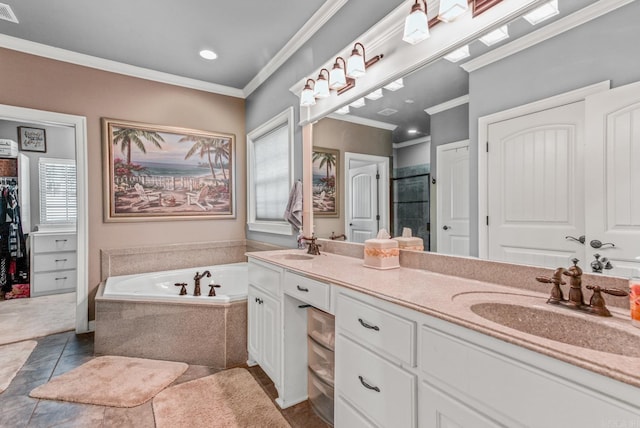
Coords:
445,227
599,244
366,385
369,326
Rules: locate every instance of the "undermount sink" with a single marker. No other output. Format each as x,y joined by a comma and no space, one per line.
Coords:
294,257
572,330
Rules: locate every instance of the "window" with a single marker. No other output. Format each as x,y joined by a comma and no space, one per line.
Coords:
57,191
270,174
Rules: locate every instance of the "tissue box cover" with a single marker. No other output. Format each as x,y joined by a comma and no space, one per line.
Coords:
381,253
410,243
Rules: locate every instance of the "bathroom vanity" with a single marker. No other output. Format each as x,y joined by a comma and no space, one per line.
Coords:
417,349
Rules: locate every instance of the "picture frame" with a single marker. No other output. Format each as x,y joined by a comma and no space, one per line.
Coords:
326,182
158,172
32,139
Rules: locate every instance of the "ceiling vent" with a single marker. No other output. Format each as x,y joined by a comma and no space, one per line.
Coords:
7,14
387,112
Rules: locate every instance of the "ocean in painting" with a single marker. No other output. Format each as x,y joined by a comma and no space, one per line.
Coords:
177,170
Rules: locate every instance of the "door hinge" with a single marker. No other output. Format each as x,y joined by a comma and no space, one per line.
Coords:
378,217
377,176
487,147
487,220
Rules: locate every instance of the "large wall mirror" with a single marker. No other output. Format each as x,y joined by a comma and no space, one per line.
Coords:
556,197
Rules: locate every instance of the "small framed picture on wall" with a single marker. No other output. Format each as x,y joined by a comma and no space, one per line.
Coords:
32,139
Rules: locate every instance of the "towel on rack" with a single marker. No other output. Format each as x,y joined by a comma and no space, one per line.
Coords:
293,212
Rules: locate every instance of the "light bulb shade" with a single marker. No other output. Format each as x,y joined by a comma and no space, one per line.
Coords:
451,9
306,97
321,89
337,78
355,65
416,26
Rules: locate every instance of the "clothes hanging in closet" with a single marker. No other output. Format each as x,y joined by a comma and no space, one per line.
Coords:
14,263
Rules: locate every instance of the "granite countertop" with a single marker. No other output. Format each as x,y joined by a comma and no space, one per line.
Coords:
450,298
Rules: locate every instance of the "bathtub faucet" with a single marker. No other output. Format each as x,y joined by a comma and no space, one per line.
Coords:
197,278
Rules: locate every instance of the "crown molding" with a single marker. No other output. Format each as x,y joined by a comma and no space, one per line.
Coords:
426,139
560,26
363,121
84,60
447,105
322,15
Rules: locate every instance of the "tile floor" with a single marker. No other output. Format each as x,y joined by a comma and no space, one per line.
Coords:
59,353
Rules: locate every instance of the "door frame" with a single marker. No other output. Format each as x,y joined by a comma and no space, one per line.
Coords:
383,189
439,149
79,124
484,122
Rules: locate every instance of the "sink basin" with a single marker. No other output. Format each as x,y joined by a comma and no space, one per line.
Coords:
294,257
569,329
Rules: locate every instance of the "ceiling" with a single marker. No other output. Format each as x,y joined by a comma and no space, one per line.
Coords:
166,36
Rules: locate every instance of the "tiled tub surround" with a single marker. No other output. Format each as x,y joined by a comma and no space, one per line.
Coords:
192,332
445,296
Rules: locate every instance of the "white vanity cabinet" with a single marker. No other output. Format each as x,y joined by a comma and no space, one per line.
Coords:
263,316
53,262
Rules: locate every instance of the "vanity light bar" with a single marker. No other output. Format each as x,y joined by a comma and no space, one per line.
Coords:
495,36
458,54
395,85
542,13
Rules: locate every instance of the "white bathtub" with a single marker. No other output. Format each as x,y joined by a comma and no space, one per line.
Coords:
232,278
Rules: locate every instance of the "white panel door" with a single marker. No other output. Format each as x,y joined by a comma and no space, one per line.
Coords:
535,169
363,203
613,177
453,199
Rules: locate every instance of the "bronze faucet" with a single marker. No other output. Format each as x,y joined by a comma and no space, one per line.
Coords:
197,278
596,304
212,289
342,236
313,248
183,290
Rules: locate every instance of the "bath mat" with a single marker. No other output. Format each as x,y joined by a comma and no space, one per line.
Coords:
112,381
231,398
12,358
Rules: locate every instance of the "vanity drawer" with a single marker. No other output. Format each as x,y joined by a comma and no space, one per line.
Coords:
321,361
53,282
379,389
54,243
347,416
265,277
308,290
54,261
389,333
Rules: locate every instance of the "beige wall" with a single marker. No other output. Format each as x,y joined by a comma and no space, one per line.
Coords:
347,137
40,83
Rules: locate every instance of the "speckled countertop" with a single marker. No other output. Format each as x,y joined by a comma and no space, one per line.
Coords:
450,298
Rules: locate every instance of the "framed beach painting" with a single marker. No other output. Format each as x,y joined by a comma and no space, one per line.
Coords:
155,172
326,164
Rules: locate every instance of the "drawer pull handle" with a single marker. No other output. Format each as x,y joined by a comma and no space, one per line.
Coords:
61,260
61,240
306,290
63,277
366,385
369,326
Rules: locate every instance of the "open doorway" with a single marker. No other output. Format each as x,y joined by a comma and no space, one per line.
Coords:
57,246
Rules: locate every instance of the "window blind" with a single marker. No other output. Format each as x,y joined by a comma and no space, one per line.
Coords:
271,174
58,202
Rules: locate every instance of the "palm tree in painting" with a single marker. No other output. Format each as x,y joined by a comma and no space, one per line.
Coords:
203,146
327,160
128,137
221,150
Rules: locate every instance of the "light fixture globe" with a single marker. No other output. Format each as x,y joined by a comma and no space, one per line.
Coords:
337,78
306,97
416,25
355,65
321,88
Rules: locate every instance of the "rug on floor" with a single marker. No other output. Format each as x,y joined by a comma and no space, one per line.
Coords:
112,381
231,398
12,358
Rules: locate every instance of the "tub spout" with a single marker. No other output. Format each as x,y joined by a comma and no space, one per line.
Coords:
197,278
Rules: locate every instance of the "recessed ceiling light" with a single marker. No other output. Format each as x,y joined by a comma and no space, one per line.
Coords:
357,103
409,101
395,85
208,54
375,95
458,54
545,11
495,36
412,131
343,110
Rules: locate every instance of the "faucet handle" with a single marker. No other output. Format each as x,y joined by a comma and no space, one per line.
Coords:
183,290
597,304
613,291
212,291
